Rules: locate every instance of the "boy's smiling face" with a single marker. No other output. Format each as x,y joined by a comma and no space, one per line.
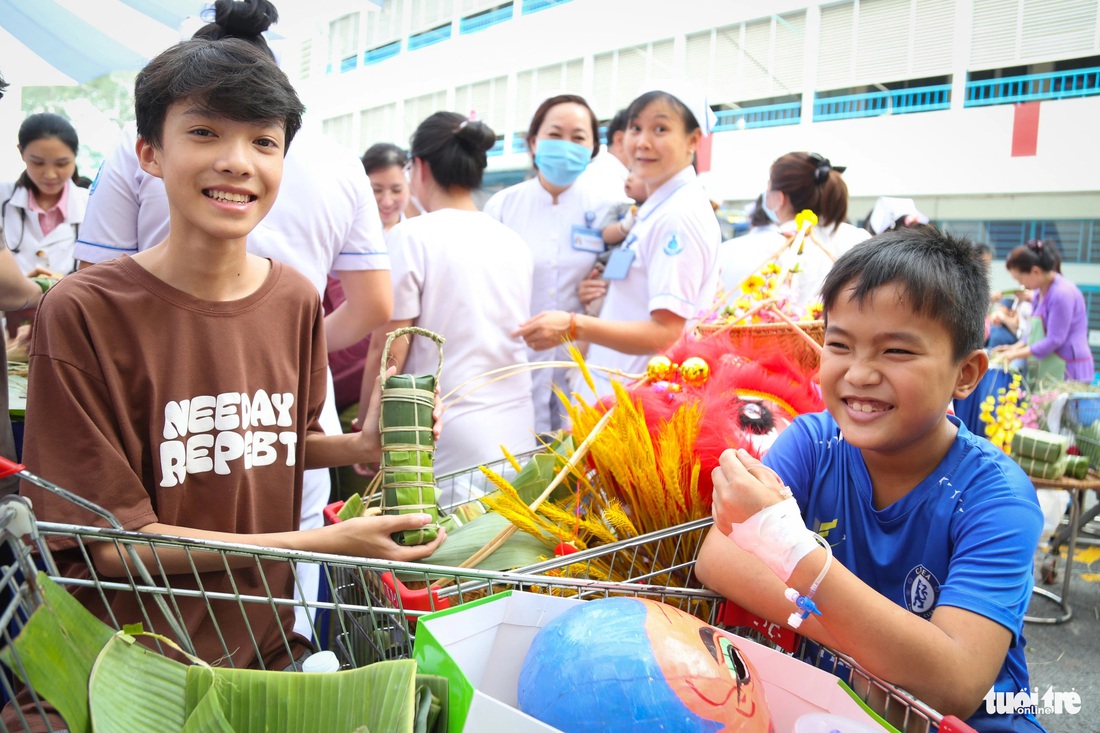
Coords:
888,374
221,175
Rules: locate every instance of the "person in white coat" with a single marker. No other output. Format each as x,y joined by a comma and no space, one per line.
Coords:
665,274
558,216
44,208
459,273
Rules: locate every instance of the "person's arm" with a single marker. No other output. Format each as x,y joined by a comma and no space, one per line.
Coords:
549,328
949,661
1057,319
368,305
17,291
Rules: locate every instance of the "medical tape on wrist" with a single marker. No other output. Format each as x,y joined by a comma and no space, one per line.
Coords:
777,535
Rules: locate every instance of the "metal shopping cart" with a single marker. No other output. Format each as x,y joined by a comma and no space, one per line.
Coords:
358,615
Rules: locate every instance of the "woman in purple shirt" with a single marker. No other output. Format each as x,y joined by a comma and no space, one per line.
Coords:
1058,337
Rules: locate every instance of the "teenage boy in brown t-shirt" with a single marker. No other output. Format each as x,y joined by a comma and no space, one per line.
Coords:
180,388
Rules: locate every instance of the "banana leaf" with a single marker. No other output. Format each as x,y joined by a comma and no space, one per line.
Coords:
520,550
103,681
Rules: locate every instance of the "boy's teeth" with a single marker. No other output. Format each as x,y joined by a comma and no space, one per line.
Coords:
863,407
238,198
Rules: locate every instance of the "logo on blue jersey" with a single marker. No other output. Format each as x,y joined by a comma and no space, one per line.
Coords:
922,589
674,246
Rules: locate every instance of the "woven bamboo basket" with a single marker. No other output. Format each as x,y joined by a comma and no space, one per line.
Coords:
780,335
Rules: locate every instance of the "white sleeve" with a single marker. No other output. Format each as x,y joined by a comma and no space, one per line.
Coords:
364,247
676,254
110,227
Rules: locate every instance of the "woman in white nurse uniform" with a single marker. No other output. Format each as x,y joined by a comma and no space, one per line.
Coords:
665,274
463,275
558,216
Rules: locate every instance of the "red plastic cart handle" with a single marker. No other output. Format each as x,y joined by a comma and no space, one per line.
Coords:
951,724
10,468
425,599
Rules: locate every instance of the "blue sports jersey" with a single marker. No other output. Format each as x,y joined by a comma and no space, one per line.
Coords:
963,537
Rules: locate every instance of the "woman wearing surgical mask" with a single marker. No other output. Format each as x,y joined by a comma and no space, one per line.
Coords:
800,181
558,218
665,274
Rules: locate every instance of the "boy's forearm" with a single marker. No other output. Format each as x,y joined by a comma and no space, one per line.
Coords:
331,451
944,668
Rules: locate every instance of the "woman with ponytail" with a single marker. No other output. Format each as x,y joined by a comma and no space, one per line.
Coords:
1057,343
460,273
801,181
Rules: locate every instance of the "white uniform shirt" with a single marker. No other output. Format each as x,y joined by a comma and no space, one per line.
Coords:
675,239
742,256
23,231
814,262
546,227
468,278
324,220
608,174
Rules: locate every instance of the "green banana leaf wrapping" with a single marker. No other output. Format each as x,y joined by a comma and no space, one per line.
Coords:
408,449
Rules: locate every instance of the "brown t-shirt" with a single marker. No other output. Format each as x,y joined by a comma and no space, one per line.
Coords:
161,407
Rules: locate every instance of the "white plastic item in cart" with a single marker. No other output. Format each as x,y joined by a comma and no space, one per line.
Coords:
825,723
324,661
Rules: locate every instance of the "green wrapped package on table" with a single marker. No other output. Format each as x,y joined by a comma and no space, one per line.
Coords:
408,445
1050,470
1040,444
1077,467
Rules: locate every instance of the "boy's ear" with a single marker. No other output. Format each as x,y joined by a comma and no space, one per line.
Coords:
971,370
148,158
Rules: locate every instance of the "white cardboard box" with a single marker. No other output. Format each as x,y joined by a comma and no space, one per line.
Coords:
480,647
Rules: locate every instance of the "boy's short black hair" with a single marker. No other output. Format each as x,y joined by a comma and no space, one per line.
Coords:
942,276
228,77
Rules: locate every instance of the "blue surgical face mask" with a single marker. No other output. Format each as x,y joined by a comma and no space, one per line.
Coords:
768,212
560,161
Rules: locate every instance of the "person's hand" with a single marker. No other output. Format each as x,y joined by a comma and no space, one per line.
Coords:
545,331
368,429
742,487
370,537
1001,349
592,287
43,272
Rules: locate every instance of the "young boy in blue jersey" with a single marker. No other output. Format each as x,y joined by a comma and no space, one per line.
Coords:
932,529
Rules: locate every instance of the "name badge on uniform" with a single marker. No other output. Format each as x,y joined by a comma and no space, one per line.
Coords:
619,264
587,240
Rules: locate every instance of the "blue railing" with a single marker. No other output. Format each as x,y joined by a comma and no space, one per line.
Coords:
534,6
498,147
349,63
1033,87
519,142
768,115
481,21
428,38
874,104
376,55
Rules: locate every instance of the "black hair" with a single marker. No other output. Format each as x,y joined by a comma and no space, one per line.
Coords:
942,276
548,104
230,78
3,85
244,19
454,148
45,126
617,123
812,182
383,155
690,123
983,249
1041,253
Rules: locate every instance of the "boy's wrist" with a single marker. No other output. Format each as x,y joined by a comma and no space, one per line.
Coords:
777,535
